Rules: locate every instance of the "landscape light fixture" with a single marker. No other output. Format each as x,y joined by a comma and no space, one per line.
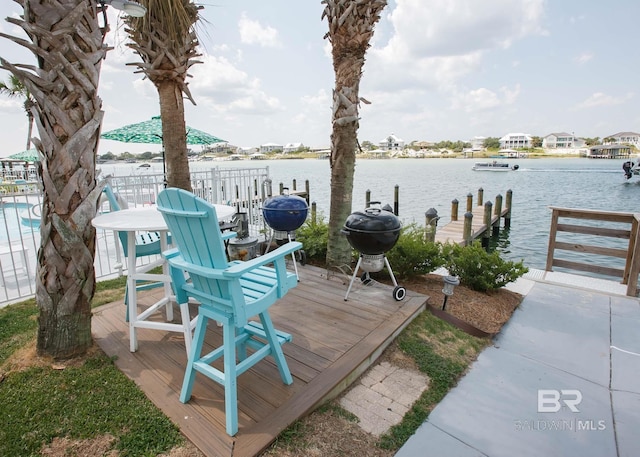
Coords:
130,7
450,283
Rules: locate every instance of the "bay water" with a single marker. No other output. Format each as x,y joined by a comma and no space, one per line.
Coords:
433,183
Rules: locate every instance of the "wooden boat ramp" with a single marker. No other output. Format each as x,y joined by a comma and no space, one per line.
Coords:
334,341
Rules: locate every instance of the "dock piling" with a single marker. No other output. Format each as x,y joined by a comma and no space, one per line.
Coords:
488,206
466,231
507,204
454,209
431,224
498,212
396,200
480,196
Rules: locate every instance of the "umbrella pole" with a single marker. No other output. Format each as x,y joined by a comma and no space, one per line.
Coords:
164,169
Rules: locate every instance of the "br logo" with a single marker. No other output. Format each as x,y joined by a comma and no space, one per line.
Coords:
552,400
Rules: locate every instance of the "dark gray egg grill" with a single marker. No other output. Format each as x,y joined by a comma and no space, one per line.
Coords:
373,232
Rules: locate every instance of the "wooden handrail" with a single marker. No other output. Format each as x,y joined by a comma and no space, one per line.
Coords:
631,254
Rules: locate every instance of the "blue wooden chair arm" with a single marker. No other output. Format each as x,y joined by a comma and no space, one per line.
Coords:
238,269
228,235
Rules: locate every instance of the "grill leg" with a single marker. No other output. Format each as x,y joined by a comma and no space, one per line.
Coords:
393,278
293,256
353,278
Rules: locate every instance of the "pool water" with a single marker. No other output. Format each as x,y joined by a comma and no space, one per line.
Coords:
15,223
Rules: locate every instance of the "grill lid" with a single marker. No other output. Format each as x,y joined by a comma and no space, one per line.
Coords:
372,220
285,212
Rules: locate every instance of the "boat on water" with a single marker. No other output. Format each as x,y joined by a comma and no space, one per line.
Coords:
144,165
494,166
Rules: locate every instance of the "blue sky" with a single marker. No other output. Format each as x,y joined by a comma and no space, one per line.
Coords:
436,70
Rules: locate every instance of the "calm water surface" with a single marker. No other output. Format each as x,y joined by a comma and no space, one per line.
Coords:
434,183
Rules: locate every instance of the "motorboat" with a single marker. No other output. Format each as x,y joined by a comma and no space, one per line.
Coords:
494,166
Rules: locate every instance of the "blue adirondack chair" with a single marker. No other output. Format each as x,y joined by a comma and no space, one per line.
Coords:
230,293
147,243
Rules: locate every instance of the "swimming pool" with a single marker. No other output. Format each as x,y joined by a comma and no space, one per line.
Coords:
15,224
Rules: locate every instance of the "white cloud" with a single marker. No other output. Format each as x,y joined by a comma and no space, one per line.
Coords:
10,104
438,42
252,32
458,27
225,87
600,99
583,58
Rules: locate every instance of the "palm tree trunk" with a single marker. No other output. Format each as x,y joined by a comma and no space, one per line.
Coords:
173,135
68,118
29,130
350,30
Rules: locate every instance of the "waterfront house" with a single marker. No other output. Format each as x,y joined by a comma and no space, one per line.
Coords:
562,140
477,143
610,151
292,147
270,147
515,141
630,138
391,143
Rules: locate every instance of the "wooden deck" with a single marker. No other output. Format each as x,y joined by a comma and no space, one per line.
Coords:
334,341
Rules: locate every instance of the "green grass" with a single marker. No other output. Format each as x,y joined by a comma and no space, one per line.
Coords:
18,324
82,401
443,353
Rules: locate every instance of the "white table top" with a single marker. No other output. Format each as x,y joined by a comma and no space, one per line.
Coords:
146,218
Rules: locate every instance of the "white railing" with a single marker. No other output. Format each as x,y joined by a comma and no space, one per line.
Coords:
244,188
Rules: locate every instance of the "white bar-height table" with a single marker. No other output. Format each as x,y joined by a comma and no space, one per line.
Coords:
147,219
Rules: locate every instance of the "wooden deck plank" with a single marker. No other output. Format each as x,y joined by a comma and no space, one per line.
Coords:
333,342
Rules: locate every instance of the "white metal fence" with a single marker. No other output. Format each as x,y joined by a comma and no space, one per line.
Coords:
244,188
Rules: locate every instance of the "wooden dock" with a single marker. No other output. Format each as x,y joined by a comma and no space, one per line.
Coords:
334,341
479,220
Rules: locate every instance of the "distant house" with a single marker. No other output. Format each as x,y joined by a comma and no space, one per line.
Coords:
624,138
515,141
477,143
292,147
391,143
270,147
562,141
421,144
247,150
610,151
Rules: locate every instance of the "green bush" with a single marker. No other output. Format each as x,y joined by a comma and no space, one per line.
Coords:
412,255
314,237
480,270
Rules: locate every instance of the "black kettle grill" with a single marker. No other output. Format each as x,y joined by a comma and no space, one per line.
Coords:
285,214
373,232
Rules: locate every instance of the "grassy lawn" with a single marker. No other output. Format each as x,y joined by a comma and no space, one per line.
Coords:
91,398
86,399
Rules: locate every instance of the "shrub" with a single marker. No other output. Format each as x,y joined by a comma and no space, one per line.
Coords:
480,270
314,237
412,255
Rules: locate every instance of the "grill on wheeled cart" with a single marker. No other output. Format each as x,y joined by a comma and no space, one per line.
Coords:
373,232
285,214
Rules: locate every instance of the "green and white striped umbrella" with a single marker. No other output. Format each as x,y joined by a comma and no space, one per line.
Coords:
30,155
150,132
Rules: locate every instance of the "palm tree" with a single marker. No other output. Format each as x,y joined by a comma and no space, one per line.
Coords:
15,88
67,43
166,41
351,25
